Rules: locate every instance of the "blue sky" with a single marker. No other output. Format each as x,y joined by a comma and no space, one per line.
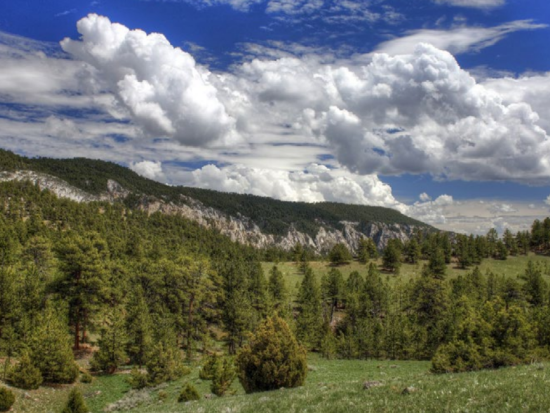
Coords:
438,108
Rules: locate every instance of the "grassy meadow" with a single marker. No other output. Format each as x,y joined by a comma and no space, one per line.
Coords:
512,267
331,386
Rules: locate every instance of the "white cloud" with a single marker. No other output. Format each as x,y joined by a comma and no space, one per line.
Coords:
457,40
502,209
149,169
161,86
547,200
424,197
479,4
316,183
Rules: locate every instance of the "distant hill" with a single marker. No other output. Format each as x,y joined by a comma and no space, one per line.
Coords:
273,218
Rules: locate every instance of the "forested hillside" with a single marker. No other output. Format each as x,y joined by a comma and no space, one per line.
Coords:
272,216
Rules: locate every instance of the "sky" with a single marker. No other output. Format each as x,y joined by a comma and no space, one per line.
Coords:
437,108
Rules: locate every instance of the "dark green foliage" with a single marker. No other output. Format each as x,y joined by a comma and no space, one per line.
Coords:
456,357
25,375
273,358
309,321
188,393
391,260
339,254
50,350
137,379
111,352
208,368
75,403
437,266
7,399
223,376
164,364
86,378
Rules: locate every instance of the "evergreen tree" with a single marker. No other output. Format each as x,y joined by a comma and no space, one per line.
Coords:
188,393
333,290
272,359
535,288
25,375
138,328
75,403
7,399
82,263
391,259
309,320
164,364
339,254
412,251
223,376
278,291
113,340
436,265
50,350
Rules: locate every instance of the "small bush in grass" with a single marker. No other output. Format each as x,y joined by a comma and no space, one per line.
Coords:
207,370
86,378
7,399
162,395
137,379
456,357
75,403
25,374
188,393
273,358
165,364
224,375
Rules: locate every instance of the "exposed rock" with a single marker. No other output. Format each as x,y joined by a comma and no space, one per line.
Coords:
370,384
409,390
239,228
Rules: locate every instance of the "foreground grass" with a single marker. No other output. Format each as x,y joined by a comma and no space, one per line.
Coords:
335,386
512,267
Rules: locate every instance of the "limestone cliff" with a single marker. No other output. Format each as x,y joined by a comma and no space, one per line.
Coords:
239,228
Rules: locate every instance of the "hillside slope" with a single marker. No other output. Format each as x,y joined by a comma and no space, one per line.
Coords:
259,221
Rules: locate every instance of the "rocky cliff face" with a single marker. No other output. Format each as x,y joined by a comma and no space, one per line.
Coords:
239,228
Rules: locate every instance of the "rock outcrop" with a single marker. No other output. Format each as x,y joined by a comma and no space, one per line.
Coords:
239,228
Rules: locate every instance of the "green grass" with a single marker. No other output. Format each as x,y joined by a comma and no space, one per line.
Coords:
337,386
512,267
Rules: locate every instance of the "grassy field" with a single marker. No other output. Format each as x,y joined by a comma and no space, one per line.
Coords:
512,267
332,386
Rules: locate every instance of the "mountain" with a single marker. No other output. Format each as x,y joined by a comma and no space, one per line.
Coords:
259,221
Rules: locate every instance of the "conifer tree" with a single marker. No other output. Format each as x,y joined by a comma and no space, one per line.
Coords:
309,319
223,376
392,257
7,399
112,342
333,290
272,359
25,374
82,263
75,403
50,350
339,254
138,327
278,292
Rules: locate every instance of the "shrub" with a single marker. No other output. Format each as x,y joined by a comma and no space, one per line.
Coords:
86,378
164,364
25,375
207,370
273,358
162,395
7,399
188,393
75,403
137,379
224,375
456,357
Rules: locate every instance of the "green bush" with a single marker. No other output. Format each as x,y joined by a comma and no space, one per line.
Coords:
188,393
75,403
137,379
7,399
86,378
273,358
165,364
457,357
207,370
224,375
25,375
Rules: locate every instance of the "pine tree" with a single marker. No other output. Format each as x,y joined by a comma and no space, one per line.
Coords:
391,259
7,399
138,327
75,403
436,265
25,375
50,350
112,342
339,254
278,292
164,364
82,263
223,376
309,321
333,291
272,359
188,393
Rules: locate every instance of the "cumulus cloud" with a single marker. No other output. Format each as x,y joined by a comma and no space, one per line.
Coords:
161,86
148,169
424,197
316,183
458,40
479,4
547,200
